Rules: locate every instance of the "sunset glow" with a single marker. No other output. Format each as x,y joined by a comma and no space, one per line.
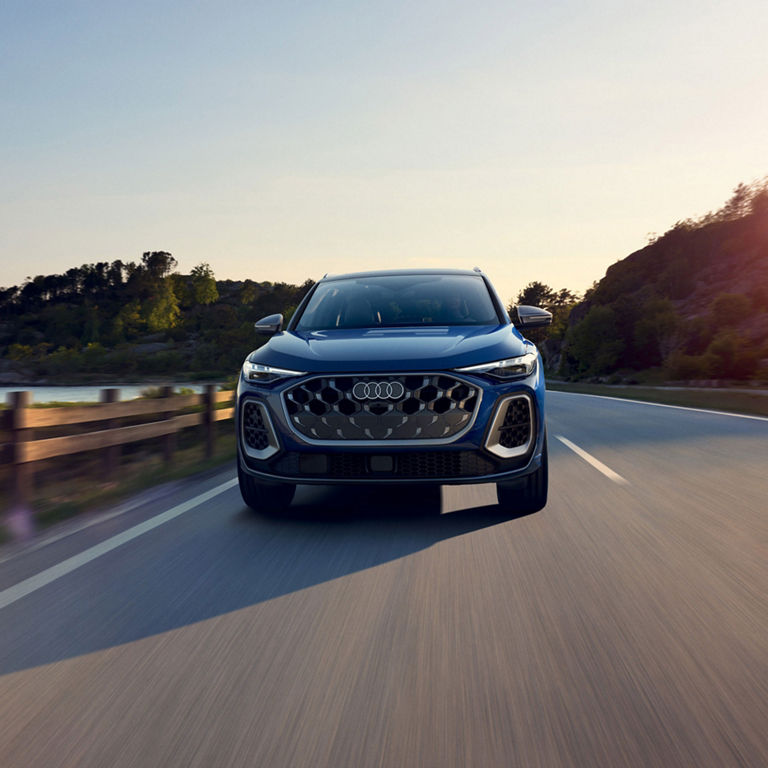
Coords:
282,141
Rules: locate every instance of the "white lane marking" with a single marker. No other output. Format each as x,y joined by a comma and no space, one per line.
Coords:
596,463
33,583
660,405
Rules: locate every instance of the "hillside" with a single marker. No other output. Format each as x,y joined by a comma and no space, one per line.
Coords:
694,302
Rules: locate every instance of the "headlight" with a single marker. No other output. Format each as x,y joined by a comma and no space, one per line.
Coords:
257,372
512,368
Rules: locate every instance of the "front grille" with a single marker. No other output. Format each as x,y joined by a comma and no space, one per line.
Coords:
396,407
516,427
404,466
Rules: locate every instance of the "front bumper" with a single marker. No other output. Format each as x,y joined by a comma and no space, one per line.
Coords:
473,456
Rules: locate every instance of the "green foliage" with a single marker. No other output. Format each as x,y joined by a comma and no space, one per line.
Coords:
203,285
161,310
158,264
534,294
248,293
593,345
729,309
136,319
63,361
559,303
732,357
679,367
654,332
164,362
20,352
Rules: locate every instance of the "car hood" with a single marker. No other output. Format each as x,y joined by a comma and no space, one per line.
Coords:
390,349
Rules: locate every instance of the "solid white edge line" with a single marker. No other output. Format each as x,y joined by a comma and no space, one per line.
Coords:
596,463
659,405
33,583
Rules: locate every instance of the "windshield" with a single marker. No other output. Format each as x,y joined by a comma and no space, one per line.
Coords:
392,301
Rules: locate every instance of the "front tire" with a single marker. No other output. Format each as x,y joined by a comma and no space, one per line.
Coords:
264,497
530,493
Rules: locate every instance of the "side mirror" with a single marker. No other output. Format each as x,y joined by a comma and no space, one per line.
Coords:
269,325
530,317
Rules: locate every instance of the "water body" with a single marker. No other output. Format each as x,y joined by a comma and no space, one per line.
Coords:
87,394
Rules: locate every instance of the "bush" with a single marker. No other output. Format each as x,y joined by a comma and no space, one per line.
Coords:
730,309
20,352
594,347
169,361
679,366
732,356
63,360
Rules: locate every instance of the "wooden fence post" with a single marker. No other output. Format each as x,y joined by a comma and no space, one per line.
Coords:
20,520
169,441
209,401
111,454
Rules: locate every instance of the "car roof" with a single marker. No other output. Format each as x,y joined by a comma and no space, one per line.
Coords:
391,272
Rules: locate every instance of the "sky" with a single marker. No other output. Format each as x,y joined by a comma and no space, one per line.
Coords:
283,140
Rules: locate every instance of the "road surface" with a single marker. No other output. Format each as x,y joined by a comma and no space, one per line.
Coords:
626,624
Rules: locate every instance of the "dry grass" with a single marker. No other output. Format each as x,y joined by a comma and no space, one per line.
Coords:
70,485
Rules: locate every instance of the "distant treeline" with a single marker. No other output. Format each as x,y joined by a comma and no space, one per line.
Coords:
134,319
693,304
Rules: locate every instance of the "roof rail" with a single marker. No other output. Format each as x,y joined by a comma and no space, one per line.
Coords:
476,269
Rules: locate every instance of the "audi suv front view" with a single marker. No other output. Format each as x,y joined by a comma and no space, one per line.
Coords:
409,376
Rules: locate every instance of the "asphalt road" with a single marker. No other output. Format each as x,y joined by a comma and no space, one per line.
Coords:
624,625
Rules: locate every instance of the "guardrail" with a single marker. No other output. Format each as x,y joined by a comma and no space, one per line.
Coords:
26,446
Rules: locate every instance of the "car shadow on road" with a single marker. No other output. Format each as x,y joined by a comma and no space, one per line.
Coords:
229,558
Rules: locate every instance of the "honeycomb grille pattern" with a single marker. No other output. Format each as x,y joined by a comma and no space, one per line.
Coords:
255,430
406,465
516,429
420,407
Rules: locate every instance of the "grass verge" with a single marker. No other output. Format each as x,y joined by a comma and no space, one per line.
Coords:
750,403
84,491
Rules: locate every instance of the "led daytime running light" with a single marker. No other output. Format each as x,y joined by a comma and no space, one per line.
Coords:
257,372
511,368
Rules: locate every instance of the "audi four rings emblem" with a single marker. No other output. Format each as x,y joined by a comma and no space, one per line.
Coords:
378,390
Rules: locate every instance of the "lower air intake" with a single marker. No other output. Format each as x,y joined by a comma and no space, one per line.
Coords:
259,439
512,430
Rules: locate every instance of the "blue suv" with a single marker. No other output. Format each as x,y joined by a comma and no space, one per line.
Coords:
402,376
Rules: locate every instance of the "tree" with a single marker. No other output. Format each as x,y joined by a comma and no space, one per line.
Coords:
161,310
730,309
203,285
594,346
738,205
654,333
732,356
158,264
248,292
559,303
535,294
